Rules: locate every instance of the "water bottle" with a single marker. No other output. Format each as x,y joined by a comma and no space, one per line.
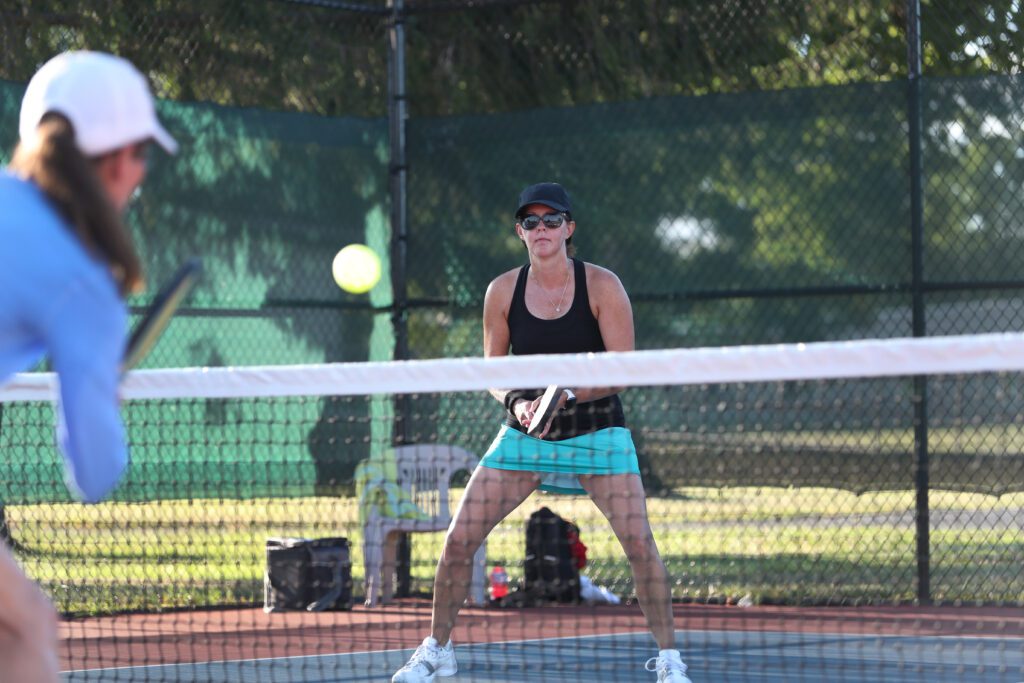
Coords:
499,584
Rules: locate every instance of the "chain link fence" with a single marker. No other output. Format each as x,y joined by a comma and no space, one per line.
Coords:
754,172
742,166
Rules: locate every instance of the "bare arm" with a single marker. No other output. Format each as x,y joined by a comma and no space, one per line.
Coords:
496,334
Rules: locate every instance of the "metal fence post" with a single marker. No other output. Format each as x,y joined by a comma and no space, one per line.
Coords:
917,296
397,180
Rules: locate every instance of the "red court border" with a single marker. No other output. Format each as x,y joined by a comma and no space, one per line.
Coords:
224,635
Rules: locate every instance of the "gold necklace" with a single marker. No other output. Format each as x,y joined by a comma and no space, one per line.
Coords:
565,288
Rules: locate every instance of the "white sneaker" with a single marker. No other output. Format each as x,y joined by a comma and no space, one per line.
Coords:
669,666
428,662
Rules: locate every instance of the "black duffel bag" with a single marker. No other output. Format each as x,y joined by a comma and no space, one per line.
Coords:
307,574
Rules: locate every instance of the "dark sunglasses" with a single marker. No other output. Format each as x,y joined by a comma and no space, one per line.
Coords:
551,221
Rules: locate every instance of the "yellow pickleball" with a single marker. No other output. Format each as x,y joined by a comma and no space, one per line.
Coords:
356,268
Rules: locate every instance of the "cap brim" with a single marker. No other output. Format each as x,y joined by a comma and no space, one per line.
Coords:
544,202
164,139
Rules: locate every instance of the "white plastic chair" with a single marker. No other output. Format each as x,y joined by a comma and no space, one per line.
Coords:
424,472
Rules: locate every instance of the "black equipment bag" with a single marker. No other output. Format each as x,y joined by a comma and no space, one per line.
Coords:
307,574
550,569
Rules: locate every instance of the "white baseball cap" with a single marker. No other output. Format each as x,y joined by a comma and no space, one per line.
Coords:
106,99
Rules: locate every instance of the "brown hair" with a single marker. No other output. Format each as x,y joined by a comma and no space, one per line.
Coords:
68,178
570,248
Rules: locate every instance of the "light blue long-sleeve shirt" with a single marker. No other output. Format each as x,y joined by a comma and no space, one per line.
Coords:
58,300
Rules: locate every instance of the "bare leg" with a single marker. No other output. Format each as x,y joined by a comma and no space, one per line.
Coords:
28,628
621,499
490,496
389,558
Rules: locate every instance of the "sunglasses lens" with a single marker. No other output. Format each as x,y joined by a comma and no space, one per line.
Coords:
530,222
551,221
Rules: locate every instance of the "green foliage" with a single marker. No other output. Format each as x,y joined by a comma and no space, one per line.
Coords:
268,54
493,57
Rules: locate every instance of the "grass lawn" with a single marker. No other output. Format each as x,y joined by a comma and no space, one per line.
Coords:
803,545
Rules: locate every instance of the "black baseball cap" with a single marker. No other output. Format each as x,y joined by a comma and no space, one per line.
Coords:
548,194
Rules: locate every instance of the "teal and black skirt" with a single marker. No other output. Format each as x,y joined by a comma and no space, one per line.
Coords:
559,463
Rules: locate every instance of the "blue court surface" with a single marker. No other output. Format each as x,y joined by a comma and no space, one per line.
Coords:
713,656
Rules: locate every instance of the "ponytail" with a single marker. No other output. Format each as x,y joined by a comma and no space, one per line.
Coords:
68,178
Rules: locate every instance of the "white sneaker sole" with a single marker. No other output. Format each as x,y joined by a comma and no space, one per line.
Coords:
441,672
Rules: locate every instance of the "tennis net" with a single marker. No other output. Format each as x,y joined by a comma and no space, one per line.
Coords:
828,511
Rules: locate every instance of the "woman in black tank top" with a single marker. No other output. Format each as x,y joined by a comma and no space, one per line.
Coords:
554,304
577,331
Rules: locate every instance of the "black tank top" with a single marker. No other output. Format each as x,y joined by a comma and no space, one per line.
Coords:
575,332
